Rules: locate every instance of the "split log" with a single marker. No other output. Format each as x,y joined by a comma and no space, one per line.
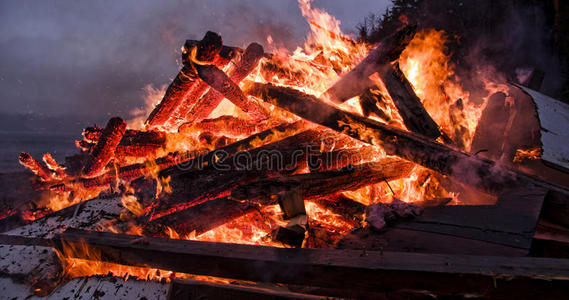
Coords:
485,276
352,211
134,143
192,186
183,160
193,97
199,218
205,51
322,161
225,125
485,175
104,152
320,184
369,101
211,100
220,82
54,166
414,115
356,81
490,134
130,137
36,167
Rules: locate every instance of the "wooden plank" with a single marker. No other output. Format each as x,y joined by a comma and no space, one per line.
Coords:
194,289
554,120
489,276
396,239
508,223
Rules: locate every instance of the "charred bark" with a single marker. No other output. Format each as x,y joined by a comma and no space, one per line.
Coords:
485,175
211,99
104,152
205,51
414,115
356,81
320,184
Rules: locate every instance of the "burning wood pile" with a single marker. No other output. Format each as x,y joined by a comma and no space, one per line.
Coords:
297,151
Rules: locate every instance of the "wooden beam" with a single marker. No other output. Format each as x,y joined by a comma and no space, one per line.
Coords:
490,276
356,81
484,175
320,184
194,289
414,115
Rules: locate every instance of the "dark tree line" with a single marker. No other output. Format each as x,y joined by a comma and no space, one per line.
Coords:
509,34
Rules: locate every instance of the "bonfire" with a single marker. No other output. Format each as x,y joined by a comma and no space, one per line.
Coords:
318,148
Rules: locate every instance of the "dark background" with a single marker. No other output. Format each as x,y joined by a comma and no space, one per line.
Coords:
67,64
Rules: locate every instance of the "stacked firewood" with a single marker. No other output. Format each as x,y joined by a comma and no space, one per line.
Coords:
263,158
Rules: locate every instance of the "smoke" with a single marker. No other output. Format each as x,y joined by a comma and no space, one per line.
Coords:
94,58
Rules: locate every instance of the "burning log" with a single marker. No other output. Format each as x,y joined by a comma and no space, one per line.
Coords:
294,233
200,218
54,166
204,52
414,115
130,137
320,184
203,108
487,276
36,167
225,173
192,98
220,82
225,125
482,174
356,81
134,143
322,161
351,210
368,103
104,152
186,160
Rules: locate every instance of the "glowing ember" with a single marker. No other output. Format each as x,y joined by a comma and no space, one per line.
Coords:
531,154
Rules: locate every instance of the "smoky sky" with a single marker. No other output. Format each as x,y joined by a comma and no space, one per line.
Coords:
93,58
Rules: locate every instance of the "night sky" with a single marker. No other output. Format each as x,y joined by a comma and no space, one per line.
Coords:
94,58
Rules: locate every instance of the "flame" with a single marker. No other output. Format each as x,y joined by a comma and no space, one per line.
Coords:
425,63
326,55
531,154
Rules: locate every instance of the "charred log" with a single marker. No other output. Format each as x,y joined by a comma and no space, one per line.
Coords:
211,100
225,125
192,186
487,176
320,184
36,167
414,115
356,81
199,218
205,51
104,152
220,82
